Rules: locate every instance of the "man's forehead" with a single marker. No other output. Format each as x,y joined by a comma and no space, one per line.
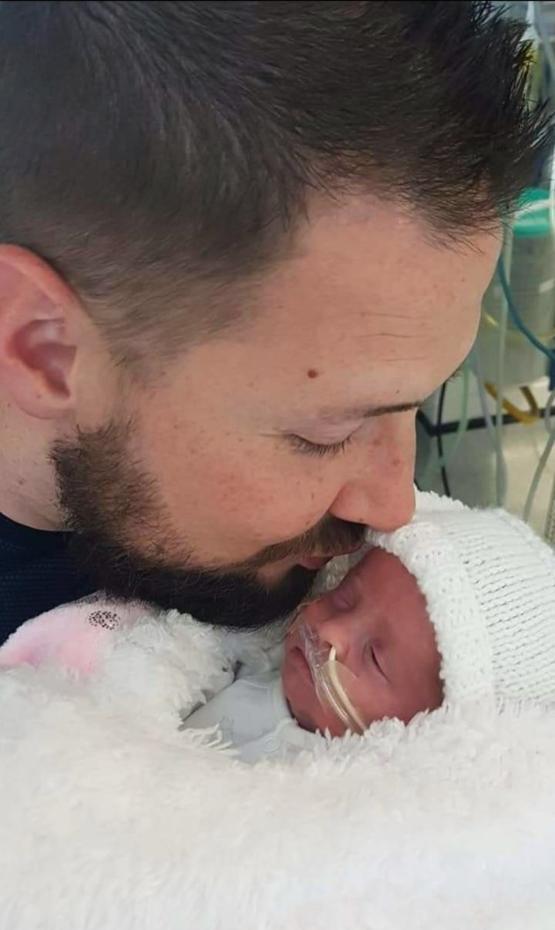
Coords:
380,289
366,320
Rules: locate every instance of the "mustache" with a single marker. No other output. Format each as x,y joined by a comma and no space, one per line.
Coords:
330,536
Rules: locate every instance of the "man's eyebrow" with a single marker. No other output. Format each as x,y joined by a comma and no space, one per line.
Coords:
366,413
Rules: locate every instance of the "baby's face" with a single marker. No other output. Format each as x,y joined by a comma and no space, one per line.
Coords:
378,622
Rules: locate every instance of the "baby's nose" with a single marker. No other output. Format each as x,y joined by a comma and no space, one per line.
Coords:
346,634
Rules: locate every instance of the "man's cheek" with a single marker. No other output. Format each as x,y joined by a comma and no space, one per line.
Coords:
272,512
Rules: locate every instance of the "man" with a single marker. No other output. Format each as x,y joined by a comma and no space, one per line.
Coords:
241,243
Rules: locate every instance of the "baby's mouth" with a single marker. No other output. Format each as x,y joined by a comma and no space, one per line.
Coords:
305,666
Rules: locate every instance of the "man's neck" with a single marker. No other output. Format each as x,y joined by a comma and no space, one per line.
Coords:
27,480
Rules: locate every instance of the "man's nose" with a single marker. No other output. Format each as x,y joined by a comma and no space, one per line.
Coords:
381,493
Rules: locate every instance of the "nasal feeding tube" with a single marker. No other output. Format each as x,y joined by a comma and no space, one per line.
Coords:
331,678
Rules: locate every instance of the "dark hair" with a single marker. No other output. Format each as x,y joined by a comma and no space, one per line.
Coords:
156,152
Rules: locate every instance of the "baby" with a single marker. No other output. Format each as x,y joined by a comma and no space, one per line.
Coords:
377,623
458,606
385,663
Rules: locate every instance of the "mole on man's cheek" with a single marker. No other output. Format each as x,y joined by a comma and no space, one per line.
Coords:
312,373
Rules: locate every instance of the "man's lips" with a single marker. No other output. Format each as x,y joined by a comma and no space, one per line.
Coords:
314,562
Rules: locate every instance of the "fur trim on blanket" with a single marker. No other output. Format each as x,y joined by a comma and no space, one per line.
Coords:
114,819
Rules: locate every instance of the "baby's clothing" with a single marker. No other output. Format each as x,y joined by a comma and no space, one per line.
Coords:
252,715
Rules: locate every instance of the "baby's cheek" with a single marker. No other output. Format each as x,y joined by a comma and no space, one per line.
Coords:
378,699
425,696
367,703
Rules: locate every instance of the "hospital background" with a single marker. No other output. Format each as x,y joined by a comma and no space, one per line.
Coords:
488,435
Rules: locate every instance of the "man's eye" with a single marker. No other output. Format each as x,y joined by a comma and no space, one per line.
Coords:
315,448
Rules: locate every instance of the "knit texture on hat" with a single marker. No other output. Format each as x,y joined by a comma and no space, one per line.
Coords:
489,583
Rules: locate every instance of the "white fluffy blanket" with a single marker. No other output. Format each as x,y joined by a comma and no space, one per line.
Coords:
112,818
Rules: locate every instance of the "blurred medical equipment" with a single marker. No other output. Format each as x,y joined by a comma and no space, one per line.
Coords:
508,381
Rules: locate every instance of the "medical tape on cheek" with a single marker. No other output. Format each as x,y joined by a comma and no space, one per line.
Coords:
331,679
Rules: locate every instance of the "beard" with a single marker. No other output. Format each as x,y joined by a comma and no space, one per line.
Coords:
109,501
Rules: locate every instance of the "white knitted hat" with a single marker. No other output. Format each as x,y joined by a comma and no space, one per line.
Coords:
489,583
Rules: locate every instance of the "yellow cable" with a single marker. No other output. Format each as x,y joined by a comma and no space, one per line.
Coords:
515,334
529,416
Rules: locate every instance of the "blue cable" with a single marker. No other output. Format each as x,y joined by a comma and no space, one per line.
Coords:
516,317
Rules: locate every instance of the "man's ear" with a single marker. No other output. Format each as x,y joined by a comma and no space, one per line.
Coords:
37,335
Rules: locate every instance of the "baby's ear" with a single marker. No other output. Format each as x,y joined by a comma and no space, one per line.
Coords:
75,636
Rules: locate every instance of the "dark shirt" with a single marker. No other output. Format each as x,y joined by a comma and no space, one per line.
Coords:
36,574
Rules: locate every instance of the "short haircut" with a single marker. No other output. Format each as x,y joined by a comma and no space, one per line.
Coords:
158,154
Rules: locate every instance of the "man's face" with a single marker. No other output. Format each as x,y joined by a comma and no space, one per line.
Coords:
301,419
